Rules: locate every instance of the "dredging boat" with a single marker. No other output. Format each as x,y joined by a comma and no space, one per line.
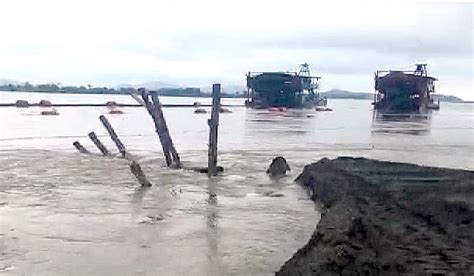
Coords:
404,91
283,89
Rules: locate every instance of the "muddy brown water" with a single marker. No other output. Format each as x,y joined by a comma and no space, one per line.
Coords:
62,213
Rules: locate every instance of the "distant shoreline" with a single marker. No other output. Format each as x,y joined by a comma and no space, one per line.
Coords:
332,94
165,94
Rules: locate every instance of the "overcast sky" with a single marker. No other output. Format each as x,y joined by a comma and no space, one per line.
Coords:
196,43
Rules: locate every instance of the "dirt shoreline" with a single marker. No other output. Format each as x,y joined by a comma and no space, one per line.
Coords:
385,218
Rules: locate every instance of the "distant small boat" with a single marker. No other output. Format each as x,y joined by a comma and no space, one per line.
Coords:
22,103
111,104
113,108
45,103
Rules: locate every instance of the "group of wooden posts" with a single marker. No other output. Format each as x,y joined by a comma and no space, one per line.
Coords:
150,100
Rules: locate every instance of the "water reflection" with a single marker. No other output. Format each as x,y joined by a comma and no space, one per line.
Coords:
137,199
290,121
408,123
212,233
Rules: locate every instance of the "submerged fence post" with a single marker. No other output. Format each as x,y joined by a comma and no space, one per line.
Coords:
113,135
139,175
80,147
98,143
213,129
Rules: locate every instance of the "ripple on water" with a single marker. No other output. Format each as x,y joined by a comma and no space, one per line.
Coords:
68,208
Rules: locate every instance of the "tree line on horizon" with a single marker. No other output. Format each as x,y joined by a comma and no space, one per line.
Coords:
89,89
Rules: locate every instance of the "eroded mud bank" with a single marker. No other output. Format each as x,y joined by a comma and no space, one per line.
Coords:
384,218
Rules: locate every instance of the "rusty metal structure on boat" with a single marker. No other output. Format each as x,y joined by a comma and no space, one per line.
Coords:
404,91
283,89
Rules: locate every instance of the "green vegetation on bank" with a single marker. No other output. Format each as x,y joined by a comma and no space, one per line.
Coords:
57,88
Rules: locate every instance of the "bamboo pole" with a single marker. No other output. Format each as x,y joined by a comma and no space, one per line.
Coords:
213,130
80,148
113,135
98,143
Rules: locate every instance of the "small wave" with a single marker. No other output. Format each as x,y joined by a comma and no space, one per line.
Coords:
67,239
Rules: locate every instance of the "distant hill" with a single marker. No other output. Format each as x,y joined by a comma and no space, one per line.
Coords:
150,85
447,98
343,94
7,82
229,89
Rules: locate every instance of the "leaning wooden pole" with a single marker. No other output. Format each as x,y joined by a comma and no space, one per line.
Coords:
113,135
153,113
164,130
137,171
80,147
138,99
213,129
98,143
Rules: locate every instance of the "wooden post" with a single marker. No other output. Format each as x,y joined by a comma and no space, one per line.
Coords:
113,135
80,148
164,130
213,129
98,143
138,173
153,113
138,99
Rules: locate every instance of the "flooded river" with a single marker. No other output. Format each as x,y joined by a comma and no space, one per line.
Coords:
62,213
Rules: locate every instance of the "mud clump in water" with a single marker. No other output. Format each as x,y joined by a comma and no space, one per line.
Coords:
278,167
384,218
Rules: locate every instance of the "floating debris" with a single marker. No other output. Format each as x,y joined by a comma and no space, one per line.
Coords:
224,110
273,194
151,219
200,111
49,112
